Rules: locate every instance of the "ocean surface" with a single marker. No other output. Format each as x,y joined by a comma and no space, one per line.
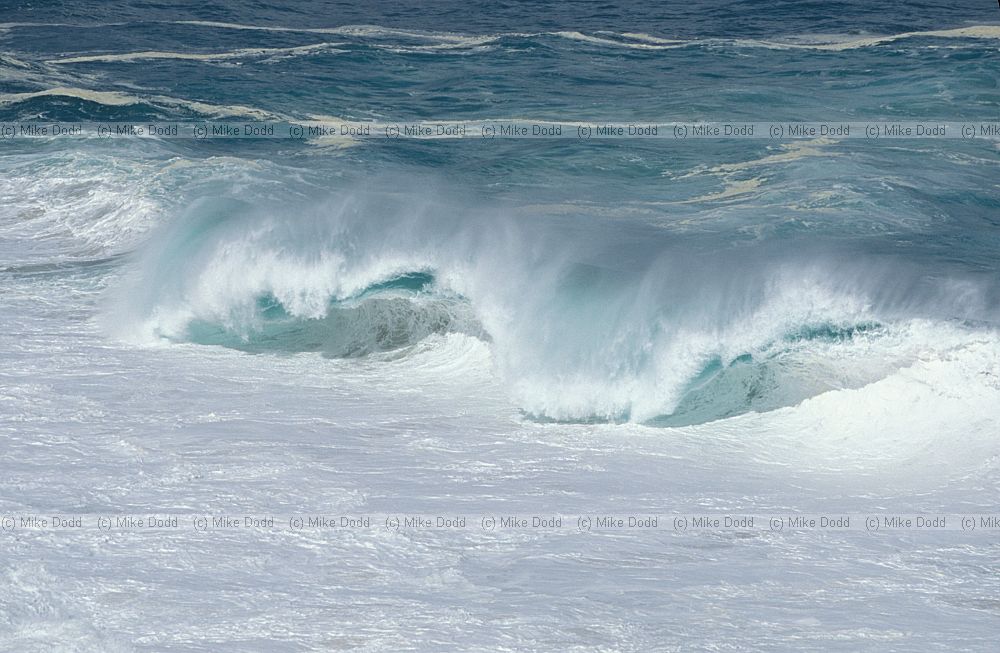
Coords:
360,326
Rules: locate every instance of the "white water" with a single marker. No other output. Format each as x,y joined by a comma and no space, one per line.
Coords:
105,407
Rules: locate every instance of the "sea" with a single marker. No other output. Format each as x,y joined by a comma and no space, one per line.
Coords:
614,383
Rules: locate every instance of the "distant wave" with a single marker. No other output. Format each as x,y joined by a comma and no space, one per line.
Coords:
443,41
120,98
7,60
635,40
434,40
17,25
109,98
854,42
243,53
361,31
630,40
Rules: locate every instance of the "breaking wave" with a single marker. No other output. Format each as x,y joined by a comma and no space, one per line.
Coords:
579,329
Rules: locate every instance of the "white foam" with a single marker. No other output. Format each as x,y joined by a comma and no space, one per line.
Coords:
853,42
444,40
16,25
791,152
109,98
739,187
101,203
634,40
936,412
637,44
731,190
379,32
8,60
40,611
119,98
244,53
641,36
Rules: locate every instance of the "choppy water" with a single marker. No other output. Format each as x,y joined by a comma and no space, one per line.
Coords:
477,326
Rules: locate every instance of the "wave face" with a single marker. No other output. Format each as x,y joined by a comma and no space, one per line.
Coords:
386,316
646,327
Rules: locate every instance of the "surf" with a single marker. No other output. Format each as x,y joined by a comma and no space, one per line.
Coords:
578,329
